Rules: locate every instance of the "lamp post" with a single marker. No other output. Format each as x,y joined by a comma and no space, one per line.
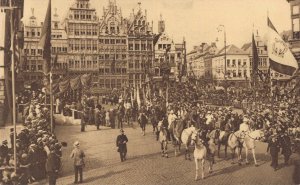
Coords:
221,28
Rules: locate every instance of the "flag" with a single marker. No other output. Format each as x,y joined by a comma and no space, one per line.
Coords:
254,60
138,98
280,57
55,62
45,40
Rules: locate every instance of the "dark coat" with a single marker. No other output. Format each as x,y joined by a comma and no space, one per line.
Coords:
120,143
53,163
274,146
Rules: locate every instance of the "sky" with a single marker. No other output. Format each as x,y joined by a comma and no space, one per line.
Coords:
195,20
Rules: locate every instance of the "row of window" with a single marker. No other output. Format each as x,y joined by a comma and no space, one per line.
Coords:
112,83
112,56
139,47
38,52
33,33
112,41
232,63
83,64
83,29
164,46
59,49
33,68
103,71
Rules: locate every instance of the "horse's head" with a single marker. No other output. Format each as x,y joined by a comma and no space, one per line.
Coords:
196,138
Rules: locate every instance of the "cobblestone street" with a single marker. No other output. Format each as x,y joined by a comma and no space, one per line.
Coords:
146,166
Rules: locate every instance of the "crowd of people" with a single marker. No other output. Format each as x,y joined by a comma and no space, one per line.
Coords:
38,150
279,118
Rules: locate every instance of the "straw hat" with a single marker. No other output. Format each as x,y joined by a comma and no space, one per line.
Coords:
76,143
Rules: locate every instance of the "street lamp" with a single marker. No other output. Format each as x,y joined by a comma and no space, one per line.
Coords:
220,29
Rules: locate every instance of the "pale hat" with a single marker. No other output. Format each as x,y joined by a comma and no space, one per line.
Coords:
76,143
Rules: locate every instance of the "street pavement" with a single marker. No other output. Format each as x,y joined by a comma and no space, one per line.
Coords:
144,164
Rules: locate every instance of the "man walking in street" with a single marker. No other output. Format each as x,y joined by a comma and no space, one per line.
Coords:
78,156
121,144
52,166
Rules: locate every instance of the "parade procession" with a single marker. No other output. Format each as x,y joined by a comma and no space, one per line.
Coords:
151,92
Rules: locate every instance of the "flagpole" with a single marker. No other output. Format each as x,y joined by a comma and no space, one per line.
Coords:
51,102
13,83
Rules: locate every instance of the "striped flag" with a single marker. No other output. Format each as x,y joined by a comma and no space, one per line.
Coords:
254,60
280,57
45,40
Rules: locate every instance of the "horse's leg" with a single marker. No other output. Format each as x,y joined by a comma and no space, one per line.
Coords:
202,163
162,149
226,150
196,162
175,149
253,153
239,154
219,147
246,151
166,149
232,155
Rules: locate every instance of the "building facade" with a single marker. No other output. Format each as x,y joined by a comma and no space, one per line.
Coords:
32,59
117,51
140,47
237,67
112,48
295,23
200,61
167,51
82,25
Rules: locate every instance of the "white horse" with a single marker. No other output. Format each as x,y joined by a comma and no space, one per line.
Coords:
235,142
162,137
249,143
186,140
200,153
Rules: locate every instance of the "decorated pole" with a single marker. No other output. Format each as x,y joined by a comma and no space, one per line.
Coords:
13,82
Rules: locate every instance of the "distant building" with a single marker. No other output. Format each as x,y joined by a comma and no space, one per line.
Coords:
32,59
200,61
112,48
295,22
140,47
237,63
167,51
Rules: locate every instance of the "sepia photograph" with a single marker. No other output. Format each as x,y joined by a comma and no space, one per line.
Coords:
149,92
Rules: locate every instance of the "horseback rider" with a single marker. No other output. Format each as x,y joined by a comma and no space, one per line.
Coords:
244,127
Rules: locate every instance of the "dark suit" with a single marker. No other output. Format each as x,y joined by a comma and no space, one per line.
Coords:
52,167
274,149
122,147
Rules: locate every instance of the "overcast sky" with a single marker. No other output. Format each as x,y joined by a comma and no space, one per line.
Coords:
196,20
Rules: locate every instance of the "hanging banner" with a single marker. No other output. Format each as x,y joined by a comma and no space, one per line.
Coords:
64,85
75,83
86,80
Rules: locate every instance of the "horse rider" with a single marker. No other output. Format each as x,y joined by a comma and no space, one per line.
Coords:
244,127
171,118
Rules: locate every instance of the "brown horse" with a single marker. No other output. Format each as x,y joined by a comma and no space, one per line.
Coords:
176,129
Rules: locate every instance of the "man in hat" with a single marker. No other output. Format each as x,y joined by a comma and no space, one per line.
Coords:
244,127
4,152
78,156
52,166
274,150
122,145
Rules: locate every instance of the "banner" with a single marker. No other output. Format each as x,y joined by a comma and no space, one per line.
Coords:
75,83
45,40
280,57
